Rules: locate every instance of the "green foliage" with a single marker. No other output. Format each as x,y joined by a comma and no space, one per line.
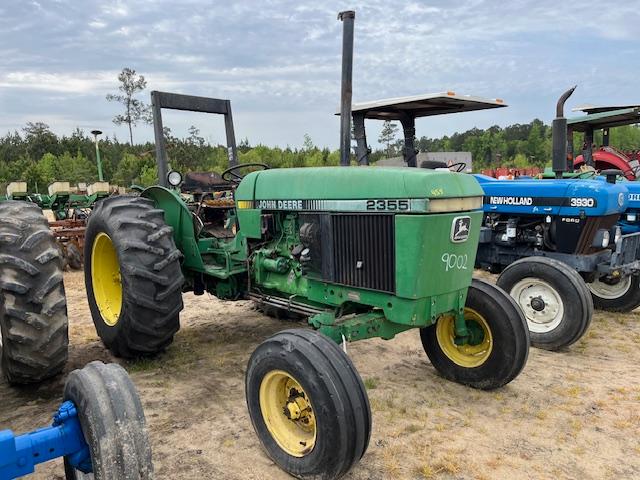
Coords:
39,157
388,136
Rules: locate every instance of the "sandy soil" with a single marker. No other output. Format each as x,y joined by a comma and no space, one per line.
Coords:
572,414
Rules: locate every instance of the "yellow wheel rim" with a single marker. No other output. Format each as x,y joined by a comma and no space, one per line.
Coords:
105,279
288,413
467,356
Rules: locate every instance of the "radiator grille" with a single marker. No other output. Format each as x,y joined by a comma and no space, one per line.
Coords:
592,225
364,251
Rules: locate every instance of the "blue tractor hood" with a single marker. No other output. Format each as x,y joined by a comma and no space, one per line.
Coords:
572,197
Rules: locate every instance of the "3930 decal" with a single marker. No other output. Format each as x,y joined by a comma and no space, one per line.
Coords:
582,202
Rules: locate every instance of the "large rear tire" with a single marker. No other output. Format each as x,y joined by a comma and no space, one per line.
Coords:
113,424
620,295
133,276
33,307
500,347
554,298
308,404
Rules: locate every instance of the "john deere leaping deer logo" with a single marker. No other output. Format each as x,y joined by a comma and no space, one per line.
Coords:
460,229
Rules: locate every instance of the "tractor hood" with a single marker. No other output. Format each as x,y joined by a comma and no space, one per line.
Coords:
554,197
359,189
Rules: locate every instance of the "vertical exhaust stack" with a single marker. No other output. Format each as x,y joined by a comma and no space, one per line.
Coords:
347,18
559,136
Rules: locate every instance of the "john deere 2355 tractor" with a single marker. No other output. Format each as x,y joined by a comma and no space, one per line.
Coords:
362,252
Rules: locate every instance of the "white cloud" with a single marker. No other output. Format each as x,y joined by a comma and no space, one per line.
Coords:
285,54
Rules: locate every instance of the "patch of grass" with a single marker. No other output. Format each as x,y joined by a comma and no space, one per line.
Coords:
371,383
413,428
542,414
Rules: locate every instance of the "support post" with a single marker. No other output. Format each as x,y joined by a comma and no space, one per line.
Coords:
587,147
347,18
362,149
232,151
605,137
569,149
409,151
158,132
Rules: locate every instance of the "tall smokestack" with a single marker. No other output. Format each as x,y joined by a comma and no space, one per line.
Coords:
347,18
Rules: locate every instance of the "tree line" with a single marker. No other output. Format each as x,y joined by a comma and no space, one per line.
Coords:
38,156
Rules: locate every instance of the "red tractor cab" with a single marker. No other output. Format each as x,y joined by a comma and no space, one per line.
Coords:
604,157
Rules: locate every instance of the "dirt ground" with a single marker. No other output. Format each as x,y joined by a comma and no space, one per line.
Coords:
573,414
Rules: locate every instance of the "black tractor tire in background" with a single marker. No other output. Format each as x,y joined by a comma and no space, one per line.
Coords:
150,276
73,256
627,300
112,421
278,313
33,305
509,340
542,286
332,387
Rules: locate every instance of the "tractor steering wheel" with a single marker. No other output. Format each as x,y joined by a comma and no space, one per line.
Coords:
230,175
458,166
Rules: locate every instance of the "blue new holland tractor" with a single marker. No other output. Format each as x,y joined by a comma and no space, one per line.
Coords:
556,243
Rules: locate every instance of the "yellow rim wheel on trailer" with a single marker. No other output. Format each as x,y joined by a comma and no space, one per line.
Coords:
467,356
288,413
105,278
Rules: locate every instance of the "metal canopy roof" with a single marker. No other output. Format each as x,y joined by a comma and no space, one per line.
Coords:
424,105
589,109
606,119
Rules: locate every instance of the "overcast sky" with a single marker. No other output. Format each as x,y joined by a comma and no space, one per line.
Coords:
278,61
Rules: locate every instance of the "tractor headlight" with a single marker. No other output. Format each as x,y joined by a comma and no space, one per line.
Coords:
456,204
601,239
174,178
617,234
631,217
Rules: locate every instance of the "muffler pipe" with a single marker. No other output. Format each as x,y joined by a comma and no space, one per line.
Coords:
347,17
559,136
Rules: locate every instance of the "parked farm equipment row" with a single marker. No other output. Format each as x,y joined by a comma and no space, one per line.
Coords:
66,209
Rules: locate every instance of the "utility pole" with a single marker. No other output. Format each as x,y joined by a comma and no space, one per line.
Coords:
99,162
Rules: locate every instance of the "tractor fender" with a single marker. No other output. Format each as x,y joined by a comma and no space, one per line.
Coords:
178,216
608,160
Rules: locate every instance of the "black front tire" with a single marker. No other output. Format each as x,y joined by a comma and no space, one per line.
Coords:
564,290
112,421
336,393
150,273
33,306
615,299
500,363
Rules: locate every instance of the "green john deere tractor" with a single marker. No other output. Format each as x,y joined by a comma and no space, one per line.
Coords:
361,252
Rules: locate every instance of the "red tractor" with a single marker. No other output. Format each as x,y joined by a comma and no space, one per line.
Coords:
605,157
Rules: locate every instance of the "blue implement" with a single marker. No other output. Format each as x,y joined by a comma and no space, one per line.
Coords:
20,454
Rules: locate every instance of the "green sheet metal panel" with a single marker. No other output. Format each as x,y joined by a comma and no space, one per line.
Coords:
338,183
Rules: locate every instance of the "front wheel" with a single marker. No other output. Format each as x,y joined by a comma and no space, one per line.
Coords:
497,347
308,404
553,297
616,295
